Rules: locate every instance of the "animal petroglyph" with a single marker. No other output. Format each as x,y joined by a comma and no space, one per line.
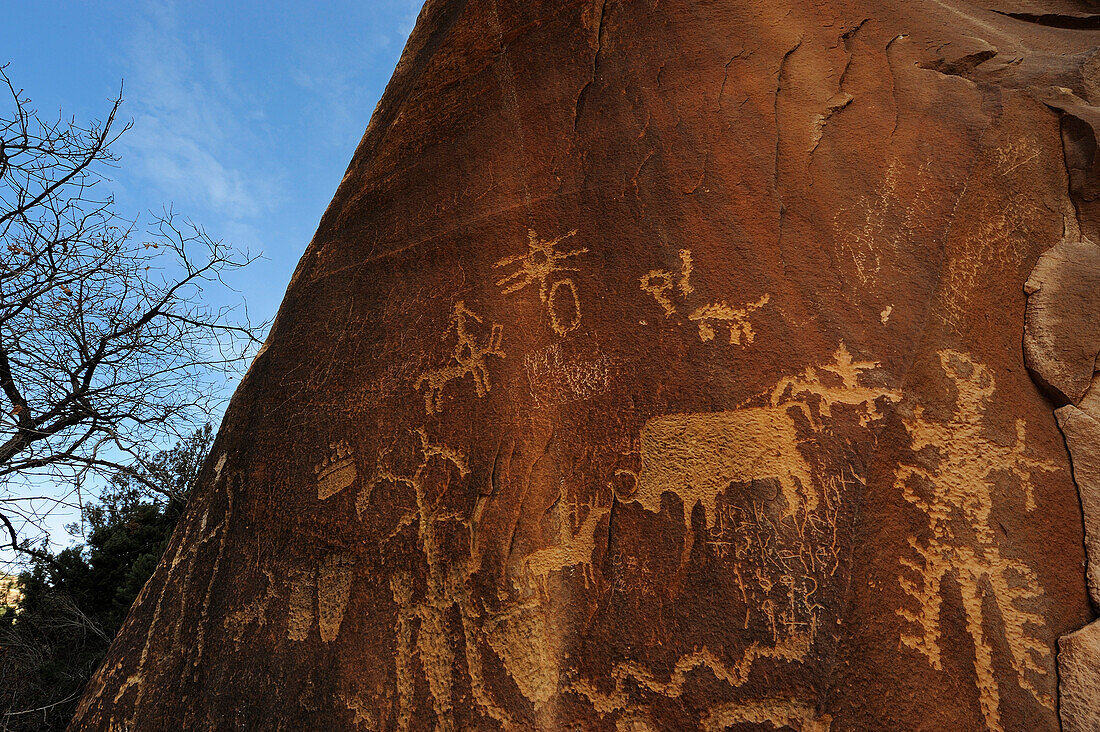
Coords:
954,489
661,283
574,550
721,314
697,456
540,265
336,472
467,357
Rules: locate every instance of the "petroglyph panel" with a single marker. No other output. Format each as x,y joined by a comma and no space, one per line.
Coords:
468,358
955,490
542,265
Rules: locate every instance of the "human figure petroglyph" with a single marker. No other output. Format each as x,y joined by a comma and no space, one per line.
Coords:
956,495
541,265
467,357
423,637
722,314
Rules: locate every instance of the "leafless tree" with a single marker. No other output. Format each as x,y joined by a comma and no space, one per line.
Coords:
107,343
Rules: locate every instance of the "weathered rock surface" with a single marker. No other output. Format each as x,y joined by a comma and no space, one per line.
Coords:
658,365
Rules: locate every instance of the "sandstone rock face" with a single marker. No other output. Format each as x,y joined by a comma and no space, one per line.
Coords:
658,365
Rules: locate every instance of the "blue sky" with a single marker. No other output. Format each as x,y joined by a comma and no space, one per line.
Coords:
245,114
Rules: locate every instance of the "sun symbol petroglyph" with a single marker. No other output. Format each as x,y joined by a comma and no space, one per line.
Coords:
467,357
956,494
721,314
336,472
540,265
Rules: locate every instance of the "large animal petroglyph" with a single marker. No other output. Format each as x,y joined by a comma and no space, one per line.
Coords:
697,456
468,357
541,265
954,487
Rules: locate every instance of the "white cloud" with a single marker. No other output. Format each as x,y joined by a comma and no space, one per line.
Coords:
187,130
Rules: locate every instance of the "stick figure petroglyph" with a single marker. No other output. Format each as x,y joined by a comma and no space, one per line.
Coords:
467,357
538,265
957,497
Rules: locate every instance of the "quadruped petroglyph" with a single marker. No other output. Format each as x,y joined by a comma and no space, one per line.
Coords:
468,357
541,265
662,285
698,455
953,485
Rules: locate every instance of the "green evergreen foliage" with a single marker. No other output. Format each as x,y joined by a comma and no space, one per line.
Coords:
74,604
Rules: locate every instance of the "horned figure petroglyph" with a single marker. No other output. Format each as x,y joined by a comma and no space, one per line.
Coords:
467,357
957,497
539,265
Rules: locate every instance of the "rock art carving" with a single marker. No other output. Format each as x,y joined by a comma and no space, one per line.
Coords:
329,584
954,489
776,712
720,314
557,379
422,626
697,456
883,220
660,283
540,265
336,472
792,649
469,357
574,550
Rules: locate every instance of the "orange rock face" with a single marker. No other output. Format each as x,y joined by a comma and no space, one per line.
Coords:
658,365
